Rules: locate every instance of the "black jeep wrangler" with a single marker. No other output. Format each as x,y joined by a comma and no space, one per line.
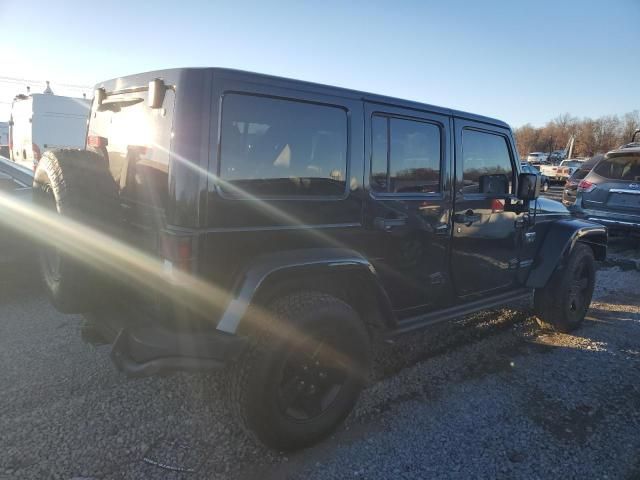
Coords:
277,228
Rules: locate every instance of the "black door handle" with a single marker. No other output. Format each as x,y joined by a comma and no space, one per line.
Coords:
388,224
467,217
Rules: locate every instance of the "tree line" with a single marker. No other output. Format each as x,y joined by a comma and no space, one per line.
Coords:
592,136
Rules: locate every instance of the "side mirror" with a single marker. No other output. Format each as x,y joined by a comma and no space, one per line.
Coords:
528,186
155,96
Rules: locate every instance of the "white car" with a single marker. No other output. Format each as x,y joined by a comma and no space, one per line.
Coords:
536,157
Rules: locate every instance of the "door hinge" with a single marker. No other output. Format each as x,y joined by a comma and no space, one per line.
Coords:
436,278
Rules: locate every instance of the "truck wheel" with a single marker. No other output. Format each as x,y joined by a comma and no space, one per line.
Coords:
75,184
563,303
304,372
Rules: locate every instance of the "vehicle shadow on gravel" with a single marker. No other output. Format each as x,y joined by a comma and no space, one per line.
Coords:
19,281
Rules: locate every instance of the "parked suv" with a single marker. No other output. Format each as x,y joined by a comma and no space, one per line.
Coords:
279,229
610,193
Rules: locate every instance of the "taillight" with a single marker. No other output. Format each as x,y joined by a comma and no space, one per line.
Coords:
586,186
96,141
178,250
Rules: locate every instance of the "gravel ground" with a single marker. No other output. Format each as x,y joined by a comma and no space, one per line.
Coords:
490,396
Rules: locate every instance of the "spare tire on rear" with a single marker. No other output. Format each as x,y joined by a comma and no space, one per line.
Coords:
75,184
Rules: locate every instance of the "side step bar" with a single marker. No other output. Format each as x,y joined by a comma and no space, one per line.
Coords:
431,318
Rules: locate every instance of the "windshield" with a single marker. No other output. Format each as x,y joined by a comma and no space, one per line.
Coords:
625,167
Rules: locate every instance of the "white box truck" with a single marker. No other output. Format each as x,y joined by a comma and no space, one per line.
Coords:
4,133
42,121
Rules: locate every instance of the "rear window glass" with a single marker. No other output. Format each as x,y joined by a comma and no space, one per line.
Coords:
138,144
276,147
580,173
570,164
620,168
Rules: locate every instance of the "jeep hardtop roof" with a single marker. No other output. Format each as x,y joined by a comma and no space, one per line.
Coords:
173,75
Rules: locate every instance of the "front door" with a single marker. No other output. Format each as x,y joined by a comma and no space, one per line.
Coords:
486,237
407,210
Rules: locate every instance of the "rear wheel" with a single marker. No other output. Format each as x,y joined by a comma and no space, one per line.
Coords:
75,184
304,373
563,303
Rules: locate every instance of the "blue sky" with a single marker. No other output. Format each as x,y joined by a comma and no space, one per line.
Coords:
515,60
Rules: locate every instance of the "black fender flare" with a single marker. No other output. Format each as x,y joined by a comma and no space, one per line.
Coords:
558,244
311,261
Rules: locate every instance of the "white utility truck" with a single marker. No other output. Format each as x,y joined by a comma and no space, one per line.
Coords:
41,121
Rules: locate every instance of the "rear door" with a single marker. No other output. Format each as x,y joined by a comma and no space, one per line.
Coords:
408,204
286,172
486,238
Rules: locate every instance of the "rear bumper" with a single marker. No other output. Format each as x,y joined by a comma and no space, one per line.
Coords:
613,220
148,351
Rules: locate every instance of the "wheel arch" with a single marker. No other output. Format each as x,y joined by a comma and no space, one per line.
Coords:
340,272
558,244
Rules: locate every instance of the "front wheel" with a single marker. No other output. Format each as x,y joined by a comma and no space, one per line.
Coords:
563,303
304,373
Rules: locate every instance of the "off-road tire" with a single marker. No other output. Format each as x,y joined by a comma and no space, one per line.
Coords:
75,184
558,306
254,378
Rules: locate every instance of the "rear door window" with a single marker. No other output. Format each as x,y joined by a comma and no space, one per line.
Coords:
280,147
620,168
405,155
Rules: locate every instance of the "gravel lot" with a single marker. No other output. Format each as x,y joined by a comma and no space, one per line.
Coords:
489,396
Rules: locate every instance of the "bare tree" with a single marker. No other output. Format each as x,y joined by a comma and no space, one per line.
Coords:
592,135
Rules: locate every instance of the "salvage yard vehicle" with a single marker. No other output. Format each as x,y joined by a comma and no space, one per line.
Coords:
279,229
571,185
610,193
561,172
537,157
42,121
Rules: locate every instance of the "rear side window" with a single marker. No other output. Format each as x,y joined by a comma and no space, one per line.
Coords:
580,174
405,155
276,147
620,168
486,163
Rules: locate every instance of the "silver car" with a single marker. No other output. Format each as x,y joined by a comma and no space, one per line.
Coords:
610,193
